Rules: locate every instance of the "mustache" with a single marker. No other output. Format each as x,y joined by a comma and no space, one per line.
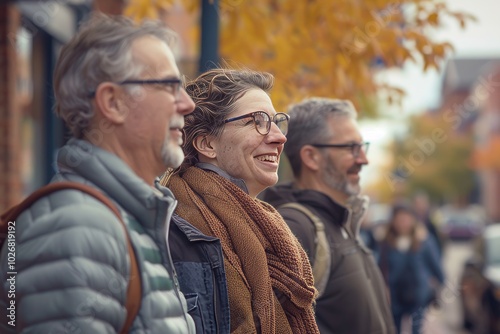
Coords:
356,168
177,123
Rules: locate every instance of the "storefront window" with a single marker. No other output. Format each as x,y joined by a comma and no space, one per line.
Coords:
24,97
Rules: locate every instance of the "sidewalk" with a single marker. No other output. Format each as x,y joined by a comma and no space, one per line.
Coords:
436,322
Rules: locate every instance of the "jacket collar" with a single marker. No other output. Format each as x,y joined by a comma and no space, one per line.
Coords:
239,182
322,204
191,232
103,169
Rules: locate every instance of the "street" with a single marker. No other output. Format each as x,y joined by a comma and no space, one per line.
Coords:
447,319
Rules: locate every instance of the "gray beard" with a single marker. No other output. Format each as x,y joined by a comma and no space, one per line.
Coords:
172,156
339,182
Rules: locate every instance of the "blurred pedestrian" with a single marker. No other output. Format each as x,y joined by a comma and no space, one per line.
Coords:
410,263
118,89
323,205
422,207
233,143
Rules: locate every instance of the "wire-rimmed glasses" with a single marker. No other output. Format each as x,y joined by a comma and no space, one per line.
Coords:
355,147
262,121
171,85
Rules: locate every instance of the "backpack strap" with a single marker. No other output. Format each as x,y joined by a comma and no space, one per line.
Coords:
322,257
134,289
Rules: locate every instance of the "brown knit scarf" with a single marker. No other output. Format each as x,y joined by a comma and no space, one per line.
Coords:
270,282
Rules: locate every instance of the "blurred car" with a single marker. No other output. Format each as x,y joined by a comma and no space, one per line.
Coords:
480,284
461,225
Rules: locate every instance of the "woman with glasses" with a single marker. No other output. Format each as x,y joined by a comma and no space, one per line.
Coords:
233,143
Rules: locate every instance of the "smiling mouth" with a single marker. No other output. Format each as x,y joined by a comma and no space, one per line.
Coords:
354,170
177,134
267,158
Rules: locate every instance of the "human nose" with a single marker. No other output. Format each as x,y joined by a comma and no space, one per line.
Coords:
185,105
361,157
275,135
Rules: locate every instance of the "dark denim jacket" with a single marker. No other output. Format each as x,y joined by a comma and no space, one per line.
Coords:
200,271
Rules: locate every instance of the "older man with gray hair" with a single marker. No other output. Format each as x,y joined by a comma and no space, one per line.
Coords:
119,91
324,208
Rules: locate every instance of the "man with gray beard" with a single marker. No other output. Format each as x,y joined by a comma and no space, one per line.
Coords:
119,91
326,153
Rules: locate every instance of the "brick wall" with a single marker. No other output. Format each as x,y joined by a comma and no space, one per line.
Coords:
10,177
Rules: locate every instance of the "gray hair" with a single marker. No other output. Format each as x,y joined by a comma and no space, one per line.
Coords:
308,124
99,52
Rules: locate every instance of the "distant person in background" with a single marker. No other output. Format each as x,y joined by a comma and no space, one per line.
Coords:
411,266
423,211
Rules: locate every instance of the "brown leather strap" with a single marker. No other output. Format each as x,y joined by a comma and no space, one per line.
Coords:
134,289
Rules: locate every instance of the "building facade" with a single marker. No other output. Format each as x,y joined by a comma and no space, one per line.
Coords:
31,35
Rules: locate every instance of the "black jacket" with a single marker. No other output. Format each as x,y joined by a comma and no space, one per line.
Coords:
355,300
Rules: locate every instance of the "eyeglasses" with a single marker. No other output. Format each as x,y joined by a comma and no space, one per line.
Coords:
354,147
262,121
172,86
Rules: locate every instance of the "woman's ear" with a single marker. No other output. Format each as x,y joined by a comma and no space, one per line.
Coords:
203,144
310,157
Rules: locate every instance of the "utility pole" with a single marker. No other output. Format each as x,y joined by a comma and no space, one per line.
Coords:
209,55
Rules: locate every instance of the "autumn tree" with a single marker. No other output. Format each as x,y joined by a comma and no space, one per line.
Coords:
432,157
324,47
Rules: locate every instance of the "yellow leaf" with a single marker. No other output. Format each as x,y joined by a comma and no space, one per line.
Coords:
313,46
433,18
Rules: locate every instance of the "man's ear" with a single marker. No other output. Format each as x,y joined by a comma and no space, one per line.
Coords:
310,157
109,99
203,144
